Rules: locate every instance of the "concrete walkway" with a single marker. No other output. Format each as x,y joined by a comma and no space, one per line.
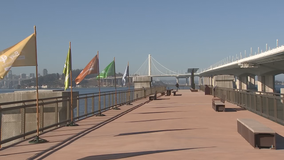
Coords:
173,127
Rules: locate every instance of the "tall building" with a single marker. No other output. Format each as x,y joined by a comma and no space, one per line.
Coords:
23,76
32,75
45,72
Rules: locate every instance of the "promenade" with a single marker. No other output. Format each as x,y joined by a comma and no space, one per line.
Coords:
170,128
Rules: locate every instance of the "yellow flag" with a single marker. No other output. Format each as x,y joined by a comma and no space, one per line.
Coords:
21,54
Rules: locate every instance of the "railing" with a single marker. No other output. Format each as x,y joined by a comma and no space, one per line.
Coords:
18,118
268,105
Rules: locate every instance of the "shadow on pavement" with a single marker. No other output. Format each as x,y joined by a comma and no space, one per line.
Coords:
134,154
155,131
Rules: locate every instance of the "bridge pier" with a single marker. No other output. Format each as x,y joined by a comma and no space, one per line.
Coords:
266,83
241,82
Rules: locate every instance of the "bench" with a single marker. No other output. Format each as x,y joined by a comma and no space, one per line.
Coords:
218,106
174,93
257,134
153,97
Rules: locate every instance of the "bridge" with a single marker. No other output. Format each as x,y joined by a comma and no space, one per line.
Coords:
243,70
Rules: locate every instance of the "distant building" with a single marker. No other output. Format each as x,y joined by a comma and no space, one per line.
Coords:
23,76
45,72
10,76
32,75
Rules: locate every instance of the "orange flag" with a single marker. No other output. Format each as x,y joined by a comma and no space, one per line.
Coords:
91,68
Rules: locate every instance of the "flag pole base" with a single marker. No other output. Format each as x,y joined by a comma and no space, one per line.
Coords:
72,124
37,140
100,114
116,108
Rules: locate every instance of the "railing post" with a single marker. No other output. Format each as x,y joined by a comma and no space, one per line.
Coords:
78,106
104,101
42,115
56,112
275,109
93,103
23,121
0,127
86,105
109,101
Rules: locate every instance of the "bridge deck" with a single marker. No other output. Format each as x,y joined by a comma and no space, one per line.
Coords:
174,127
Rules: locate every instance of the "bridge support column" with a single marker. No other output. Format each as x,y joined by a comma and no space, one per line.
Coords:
192,85
251,82
266,83
241,82
225,81
186,81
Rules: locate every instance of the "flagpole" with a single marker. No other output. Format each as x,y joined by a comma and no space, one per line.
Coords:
72,123
37,139
100,113
115,107
129,103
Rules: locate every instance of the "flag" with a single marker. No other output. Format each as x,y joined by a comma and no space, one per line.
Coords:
126,73
20,54
91,68
67,69
108,71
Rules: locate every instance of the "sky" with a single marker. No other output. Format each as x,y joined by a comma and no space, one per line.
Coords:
179,34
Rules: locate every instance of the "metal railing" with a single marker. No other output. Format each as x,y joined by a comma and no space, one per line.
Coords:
267,104
18,118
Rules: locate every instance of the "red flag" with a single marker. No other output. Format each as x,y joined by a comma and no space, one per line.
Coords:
91,68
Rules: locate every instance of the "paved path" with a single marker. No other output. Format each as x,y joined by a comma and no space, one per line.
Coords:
171,128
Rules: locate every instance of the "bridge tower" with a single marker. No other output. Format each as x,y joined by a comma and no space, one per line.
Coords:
149,65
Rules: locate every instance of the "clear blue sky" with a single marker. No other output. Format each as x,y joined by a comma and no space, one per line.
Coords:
178,33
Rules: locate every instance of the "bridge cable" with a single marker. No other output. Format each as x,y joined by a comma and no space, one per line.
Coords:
164,66
141,66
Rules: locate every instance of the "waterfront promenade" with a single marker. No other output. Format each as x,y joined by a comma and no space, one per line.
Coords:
172,127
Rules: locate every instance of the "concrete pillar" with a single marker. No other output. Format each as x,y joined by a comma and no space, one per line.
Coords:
192,79
186,81
241,82
266,83
251,82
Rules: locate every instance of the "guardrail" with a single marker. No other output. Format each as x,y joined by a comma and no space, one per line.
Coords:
18,118
267,104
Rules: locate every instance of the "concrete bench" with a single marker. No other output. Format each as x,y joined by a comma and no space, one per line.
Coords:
153,97
257,134
174,93
218,106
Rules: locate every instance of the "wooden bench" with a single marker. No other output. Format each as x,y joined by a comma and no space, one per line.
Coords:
174,93
257,134
153,97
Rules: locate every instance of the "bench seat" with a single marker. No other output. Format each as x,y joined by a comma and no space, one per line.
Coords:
218,106
257,134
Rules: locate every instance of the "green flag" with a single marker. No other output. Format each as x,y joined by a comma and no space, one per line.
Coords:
108,71
66,69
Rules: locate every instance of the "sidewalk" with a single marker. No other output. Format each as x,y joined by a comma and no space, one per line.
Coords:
173,127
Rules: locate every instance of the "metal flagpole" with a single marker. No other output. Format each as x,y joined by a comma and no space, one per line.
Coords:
129,103
37,139
115,107
99,79
72,123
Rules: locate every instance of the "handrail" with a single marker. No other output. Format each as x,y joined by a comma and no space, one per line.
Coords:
135,94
